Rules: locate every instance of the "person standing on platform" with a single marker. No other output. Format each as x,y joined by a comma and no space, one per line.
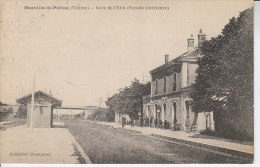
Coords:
187,124
123,122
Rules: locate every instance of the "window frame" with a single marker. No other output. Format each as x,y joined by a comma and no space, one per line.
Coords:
174,88
156,87
164,84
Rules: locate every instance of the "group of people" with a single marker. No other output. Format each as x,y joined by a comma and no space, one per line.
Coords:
158,123
148,122
155,122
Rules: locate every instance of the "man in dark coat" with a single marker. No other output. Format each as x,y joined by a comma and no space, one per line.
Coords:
123,121
151,121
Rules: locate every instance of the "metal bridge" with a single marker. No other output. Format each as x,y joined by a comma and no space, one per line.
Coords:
87,110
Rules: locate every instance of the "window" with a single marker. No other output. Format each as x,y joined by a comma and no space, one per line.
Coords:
174,82
175,112
156,108
156,86
164,110
164,84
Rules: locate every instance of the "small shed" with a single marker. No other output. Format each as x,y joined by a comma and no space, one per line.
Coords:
43,108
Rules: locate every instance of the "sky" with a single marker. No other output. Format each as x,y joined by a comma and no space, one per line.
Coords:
85,55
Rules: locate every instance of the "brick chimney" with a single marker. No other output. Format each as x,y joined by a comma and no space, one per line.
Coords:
201,38
166,58
190,42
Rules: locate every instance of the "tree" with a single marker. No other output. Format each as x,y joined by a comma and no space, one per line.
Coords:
99,115
224,83
129,99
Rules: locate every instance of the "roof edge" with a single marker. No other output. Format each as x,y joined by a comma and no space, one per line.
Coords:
39,91
172,62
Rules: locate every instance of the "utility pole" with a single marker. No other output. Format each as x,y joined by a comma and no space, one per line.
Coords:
32,106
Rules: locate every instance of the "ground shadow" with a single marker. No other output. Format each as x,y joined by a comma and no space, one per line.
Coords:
222,139
58,126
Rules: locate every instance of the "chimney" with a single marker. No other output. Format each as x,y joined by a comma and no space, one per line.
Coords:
190,41
166,58
201,38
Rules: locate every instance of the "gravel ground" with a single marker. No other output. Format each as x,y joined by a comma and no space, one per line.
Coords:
13,123
44,145
105,144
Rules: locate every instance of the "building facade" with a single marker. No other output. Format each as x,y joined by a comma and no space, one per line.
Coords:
170,91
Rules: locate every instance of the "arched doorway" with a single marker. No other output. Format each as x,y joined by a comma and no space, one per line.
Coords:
164,112
156,111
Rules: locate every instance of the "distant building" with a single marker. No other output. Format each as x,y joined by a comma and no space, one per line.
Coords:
171,87
43,108
118,117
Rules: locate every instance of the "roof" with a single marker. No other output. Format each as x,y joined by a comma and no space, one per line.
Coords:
19,100
187,56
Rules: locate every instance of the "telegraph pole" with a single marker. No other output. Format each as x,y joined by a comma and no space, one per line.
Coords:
32,106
